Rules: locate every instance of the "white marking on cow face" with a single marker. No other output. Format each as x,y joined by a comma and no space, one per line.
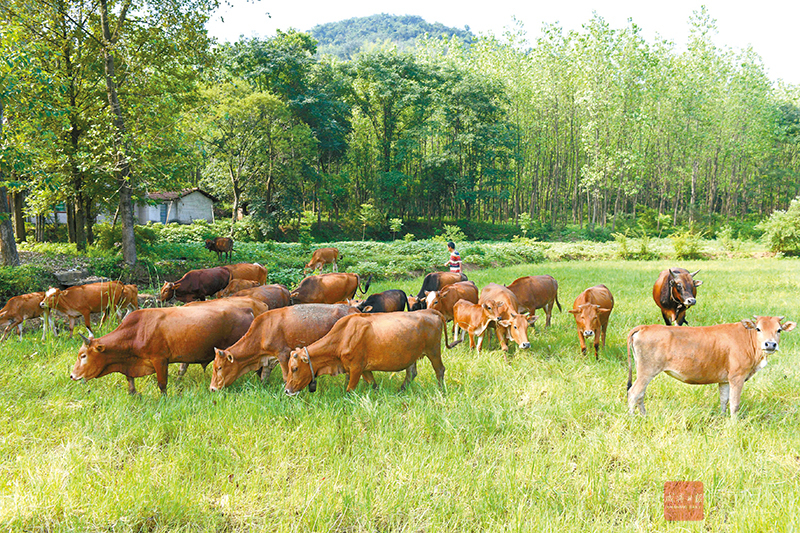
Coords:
51,291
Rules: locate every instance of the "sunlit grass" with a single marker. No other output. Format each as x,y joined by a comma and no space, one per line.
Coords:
542,444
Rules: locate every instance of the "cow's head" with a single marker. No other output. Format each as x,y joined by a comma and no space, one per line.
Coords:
517,326
210,244
683,287
224,370
92,359
300,373
412,301
587,317
433,300
50,298
768,331
167,291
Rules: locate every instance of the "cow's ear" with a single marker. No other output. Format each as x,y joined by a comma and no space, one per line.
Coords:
427,293
532,319
789,326
504,323
574,311
603,310
748,324
498,304
698,282
367,309
100,347
303,356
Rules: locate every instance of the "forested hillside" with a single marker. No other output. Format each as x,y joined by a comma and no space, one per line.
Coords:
344,39
599,128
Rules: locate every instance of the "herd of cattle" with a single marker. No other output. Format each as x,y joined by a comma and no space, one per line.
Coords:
319,329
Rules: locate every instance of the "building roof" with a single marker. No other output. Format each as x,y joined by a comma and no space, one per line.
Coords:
174,195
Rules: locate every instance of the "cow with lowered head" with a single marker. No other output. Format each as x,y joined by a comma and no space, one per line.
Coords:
675,291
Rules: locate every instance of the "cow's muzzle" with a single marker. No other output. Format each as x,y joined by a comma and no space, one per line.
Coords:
525,345
588,333
291,393
769,346
689,302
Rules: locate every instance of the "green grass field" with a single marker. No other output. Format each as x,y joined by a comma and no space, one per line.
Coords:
542,444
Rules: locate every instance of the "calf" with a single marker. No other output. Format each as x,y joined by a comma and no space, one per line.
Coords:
727,354
443,300
591,310
674,292
511,324
83,300
18,309
473,319
221,245
322,257
383,302
536,292
236,285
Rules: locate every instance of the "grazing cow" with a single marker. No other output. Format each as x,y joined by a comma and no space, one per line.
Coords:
433,282
221,245
383,302
474,319
83,300
271,338
251,271
443,300
236,285
328,288
130,300
148,340
675,291
20,308
274,295
511,324
196,285
361,344
591,310
322,257
536,292
727,354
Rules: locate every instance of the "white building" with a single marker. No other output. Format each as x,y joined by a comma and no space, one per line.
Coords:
183,207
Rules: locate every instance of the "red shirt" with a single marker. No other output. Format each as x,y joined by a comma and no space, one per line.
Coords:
455,261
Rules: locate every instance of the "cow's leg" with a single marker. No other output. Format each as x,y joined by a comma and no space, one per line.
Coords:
161,366
9,329
735,395
87,321
131,386
724,395
666,318
596,348
411,373
182,370
266,370
582,341
501,334
435,358
548,311
636,392
71,326
369,378
335,267
355,376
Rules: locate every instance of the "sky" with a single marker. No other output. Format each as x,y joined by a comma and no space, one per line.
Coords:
769,26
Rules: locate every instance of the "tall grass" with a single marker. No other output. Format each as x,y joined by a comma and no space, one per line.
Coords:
542,444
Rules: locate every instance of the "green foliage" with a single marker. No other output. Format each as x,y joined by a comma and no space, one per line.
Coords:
109,238
408,237
726,238
23,280
451,232
687,244
370,217
290,277
782,230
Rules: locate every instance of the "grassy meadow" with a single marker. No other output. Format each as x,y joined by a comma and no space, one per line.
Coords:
542,444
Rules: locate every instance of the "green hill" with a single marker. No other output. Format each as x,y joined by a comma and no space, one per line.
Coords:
346,38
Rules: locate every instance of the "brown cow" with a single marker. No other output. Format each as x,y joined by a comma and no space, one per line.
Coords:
536,292
382,302
591,310
196,285
511,324
727,354
148,340
474,319
221,245
83,300
322,257
20,308
272,337
674,292
251,271
274,295
444,299
130,300
328,288
363,343
236,285
435,281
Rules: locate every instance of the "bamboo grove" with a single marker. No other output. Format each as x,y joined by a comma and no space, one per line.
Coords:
590,127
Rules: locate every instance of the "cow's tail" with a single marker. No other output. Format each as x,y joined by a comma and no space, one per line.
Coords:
446,340
558,303
632,332
366,286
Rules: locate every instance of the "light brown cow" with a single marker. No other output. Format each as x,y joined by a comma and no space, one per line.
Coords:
474,319
322,257
328,288
20,308
271,338
274,295
82,300
236,285
363,343
591,310
727,354
251,271
536,292
511,324
148,340
444,299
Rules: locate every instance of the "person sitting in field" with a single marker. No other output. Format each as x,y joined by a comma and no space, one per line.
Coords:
455,258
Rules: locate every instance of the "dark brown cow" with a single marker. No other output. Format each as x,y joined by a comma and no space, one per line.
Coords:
83,300
473,319
148,340
443,300
383,302
435,281
196,285
727,354
236,285
674,292
322,257
363,343
271,338
591,310
251,271
536,292
328,288
274,295
20,308
511,325
221,245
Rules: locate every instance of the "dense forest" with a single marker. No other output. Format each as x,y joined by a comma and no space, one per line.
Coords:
102,102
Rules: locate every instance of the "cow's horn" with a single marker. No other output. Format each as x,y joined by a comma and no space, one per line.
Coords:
86,341
780,318
693,274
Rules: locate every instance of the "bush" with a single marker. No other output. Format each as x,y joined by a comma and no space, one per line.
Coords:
782,230
23,280
687,244
110,237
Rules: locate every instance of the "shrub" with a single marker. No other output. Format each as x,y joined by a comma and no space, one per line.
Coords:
725,238
451,233
110,237
687,244
290,277
23,280
782,230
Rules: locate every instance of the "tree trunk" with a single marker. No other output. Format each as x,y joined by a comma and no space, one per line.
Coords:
19,217
88,218
80,223
8,246
69,209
